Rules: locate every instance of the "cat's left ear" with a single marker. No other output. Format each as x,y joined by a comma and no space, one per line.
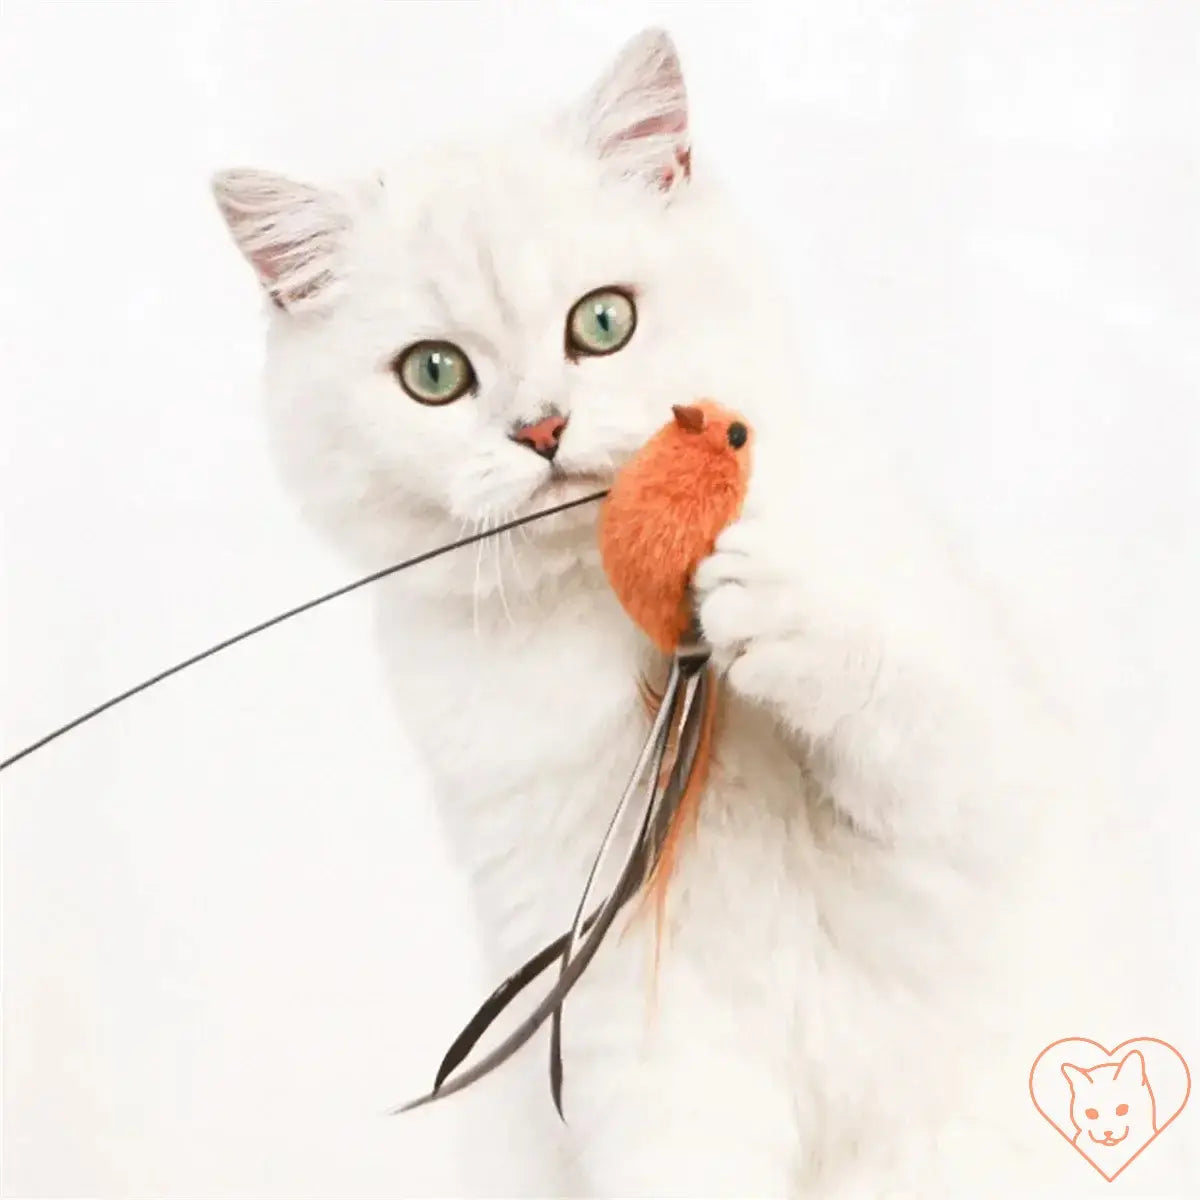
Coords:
1075,1076
636,116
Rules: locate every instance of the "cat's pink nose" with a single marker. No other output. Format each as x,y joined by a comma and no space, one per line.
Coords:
542,437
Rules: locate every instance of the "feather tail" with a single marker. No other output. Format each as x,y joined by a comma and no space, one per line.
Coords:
696,748
678,701
566,981
683,724
631,874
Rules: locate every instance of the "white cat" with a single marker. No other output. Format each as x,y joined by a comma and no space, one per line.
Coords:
1112,1109
861,955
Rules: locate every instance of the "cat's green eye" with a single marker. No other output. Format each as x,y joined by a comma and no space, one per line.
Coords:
602,322
434,372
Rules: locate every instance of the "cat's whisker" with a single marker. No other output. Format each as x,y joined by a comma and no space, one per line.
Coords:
495,542
510,545
506,538
479,525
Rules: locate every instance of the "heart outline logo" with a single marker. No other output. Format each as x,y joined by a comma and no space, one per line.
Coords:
1074,1081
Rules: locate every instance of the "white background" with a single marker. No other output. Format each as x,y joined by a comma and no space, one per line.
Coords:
232,936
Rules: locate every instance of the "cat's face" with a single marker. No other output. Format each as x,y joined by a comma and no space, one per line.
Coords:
484,330
1111,1103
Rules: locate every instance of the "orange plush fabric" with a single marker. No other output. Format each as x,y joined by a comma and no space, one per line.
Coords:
665,510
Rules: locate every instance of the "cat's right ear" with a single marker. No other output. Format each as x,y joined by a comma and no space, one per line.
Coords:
291,233
636,116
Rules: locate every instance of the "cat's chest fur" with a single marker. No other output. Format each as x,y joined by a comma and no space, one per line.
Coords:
789,933
531,728
528,726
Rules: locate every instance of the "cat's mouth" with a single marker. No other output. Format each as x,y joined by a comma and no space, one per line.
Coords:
1109,1140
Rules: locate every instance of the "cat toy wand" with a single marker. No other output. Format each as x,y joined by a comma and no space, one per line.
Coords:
375,576
660,520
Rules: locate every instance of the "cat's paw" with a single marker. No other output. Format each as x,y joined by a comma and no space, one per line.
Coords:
771,637
745,592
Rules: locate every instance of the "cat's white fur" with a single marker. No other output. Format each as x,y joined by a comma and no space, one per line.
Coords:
874,929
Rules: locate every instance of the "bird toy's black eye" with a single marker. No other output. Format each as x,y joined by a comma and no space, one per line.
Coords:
737,435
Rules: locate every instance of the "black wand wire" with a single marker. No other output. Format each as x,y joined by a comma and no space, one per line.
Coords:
425,556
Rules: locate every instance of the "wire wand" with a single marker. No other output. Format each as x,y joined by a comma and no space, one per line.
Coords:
294,612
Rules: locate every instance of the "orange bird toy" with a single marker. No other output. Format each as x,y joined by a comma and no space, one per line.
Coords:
660,520
666,510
